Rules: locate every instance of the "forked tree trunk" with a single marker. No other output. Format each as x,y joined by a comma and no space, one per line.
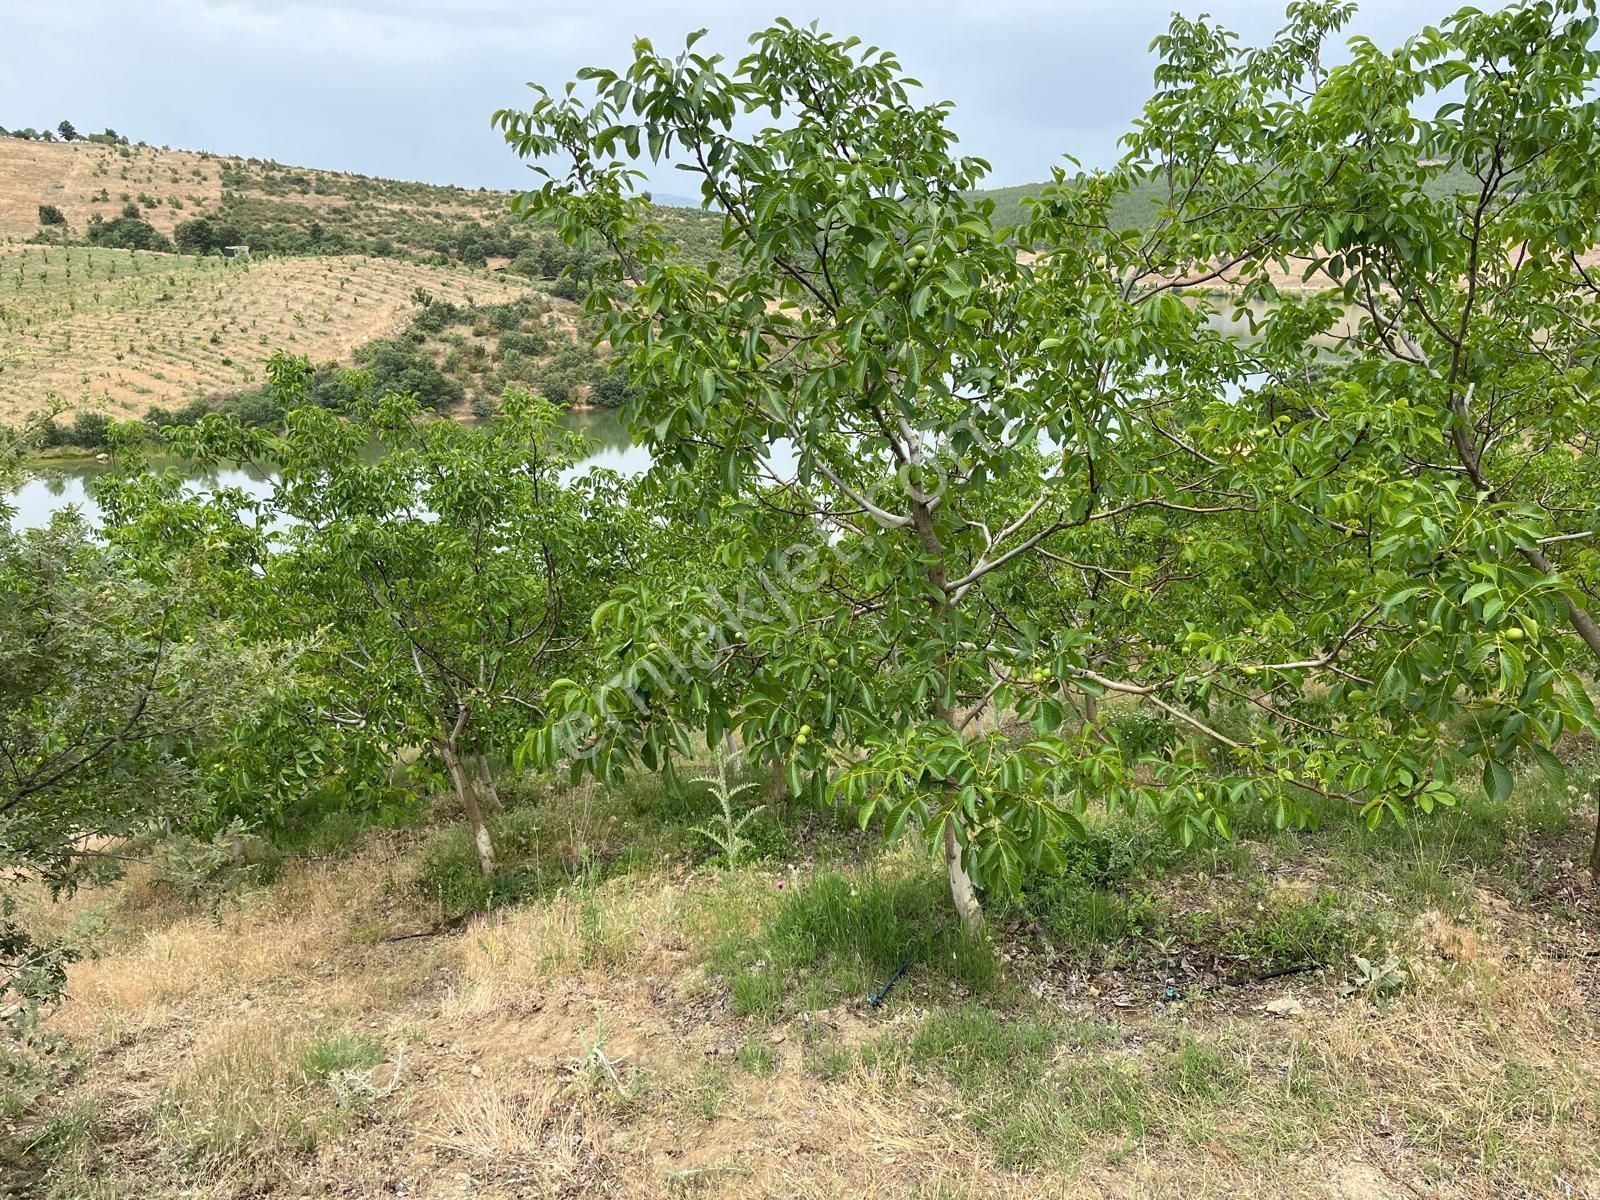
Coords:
467,792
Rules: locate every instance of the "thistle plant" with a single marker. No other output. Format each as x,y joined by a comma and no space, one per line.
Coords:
726,831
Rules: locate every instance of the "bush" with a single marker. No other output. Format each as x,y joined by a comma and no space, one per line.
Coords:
613,390
128,233
205,235
91,430
534,345
49,214
397,366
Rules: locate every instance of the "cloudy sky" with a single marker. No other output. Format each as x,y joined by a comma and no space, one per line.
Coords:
404,88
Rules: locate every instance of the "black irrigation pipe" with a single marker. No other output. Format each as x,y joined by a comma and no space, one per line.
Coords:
876,999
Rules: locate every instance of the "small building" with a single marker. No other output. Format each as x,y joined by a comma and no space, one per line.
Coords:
236,252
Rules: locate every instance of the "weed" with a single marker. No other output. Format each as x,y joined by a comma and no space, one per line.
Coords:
1375,981
707,1090
725,831
336,1052
600,1070
757,1056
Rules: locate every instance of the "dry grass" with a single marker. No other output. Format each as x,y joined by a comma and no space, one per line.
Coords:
73,176
584,1045
120,330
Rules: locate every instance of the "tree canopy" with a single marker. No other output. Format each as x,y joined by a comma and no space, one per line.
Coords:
1020,486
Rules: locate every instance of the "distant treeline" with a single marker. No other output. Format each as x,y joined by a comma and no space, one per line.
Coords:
65,132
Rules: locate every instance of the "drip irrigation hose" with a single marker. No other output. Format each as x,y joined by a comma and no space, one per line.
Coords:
876,999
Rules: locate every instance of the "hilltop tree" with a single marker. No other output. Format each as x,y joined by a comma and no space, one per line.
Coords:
67,132
1024,486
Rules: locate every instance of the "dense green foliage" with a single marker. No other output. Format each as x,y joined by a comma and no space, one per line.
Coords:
959,541
127,233
106,700
433,576
1027,486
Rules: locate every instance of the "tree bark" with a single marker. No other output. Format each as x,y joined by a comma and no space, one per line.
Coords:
491,797
961,891
1594,848
467,792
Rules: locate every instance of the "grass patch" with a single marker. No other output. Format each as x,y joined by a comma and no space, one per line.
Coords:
757,1057
1027,1082
336,1052
838,937
250,1096
550,835
706,1092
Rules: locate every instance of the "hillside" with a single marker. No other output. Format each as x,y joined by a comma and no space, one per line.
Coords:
340,265
1136,208
282,209
122,330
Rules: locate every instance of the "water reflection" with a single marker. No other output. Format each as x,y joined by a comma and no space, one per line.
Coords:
55,488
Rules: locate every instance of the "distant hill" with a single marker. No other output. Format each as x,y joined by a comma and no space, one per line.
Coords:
122,331
340,262
281,209
1136,209
344,268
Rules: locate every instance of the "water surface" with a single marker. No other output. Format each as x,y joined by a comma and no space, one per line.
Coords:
53,488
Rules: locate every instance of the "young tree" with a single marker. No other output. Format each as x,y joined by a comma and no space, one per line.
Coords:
1438,207
1022,485
103,711
437,582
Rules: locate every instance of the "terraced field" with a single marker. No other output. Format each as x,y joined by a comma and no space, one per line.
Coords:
86,180
120,330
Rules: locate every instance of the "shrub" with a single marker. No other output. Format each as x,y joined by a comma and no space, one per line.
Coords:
128,233
398,366
90,430
205,235
49,214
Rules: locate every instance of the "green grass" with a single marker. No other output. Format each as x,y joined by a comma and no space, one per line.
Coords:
837,937
335,1052
706,1092
757,1057
550,836
1029,1083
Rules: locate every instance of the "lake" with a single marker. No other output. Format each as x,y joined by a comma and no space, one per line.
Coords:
53,488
